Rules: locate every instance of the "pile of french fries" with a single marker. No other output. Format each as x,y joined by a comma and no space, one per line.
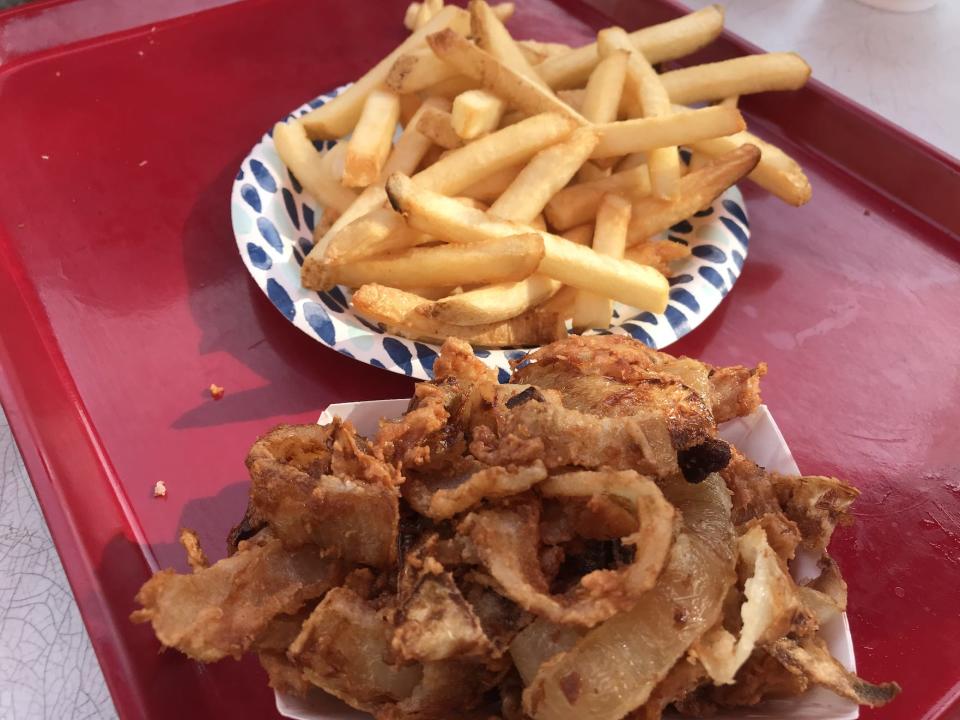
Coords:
531,180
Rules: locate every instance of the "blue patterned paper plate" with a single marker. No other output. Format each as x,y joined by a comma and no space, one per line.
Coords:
273,220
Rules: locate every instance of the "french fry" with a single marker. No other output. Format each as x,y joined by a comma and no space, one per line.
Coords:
563,260
492,261
574,97
451,87
593,310
652,101
475,113
536,51
399,312
405,156
515,89
409,104
578,203
666,41
416,71
373,231
492,186
337,117
410,16
699,160
697,190
493,37
590,171
494,302
503,11
332,161
738,76
424,14
601,100
437,125
631,161
644,134
581,234
511,117
302,158
658,254
549,171
776,172
372,138
562,303
503,149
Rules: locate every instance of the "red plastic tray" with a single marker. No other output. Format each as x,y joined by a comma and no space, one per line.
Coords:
122,299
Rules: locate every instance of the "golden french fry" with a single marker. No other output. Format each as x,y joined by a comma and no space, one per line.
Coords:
578,203
549,171
593,310
494,302
699,160
493,37
409,104
374,231
590,171
536,51
657,253
407,153
776,172
738,76
399,312
574,97
503,149
337,117
562,303
372,138
503,11
666,41
563,260
493,261
492,186
410,16
517,90
601,100
416,71
432,293
451,87
644,134
332,161
732,101
581,234
475,113
424,13
512,118
302,158
539,222
652,101
697,190
436,124
631,161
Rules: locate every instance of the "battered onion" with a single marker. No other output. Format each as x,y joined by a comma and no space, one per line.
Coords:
506,538
614,667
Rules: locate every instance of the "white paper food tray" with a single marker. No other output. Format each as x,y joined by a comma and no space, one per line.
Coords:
756,436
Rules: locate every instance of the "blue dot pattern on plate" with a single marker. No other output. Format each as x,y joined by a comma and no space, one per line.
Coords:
273,203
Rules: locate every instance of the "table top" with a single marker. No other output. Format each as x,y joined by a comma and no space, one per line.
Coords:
880,64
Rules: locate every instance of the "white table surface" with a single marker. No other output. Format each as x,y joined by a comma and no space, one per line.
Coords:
902,66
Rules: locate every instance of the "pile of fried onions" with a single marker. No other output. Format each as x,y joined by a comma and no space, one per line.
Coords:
578,544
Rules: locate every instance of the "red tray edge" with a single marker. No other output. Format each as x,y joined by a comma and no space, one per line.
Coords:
63,411
59,413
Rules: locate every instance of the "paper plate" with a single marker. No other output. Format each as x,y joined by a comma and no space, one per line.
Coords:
273,221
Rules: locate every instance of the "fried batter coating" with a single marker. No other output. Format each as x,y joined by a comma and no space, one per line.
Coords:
321,485
222,610
580,539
